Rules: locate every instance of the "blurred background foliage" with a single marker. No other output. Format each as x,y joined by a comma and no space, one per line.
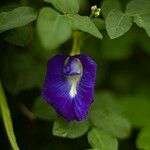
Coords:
120,116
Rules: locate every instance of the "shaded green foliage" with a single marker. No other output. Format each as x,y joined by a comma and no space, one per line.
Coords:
70,130
53,23
20,36
101,140
43,111
117,23
16,18
65,6
122,99
144,138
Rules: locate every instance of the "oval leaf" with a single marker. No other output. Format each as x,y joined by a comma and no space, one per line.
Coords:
111,122
100,140
107,115
138,7
16,18
139,116
143,21
65,6
53,29
109,5
83,23
66,129
117,23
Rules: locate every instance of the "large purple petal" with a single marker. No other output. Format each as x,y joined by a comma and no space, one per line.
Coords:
57,88
85,94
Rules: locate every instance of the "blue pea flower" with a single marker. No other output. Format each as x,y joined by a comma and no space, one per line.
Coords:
69,85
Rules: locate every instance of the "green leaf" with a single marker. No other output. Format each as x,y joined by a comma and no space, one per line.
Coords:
100,140
143,21
53,29
113,123
143,139
7,119
43,110
117,23
106,115
104,101
109,5
16,18
99,23
83,23
139,116
138,7
65,6
66,129
141,12
27,74
20,36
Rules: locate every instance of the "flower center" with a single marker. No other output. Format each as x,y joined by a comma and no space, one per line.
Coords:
73,71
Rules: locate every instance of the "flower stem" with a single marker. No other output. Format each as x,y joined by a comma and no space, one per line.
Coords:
77,43
78,36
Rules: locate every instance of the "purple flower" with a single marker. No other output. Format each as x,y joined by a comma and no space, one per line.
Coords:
69,85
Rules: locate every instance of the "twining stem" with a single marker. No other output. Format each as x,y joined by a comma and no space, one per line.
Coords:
91,15
77,43
27,112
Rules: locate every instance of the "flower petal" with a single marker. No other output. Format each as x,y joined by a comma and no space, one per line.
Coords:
55,90
57,87
72,66
85,91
